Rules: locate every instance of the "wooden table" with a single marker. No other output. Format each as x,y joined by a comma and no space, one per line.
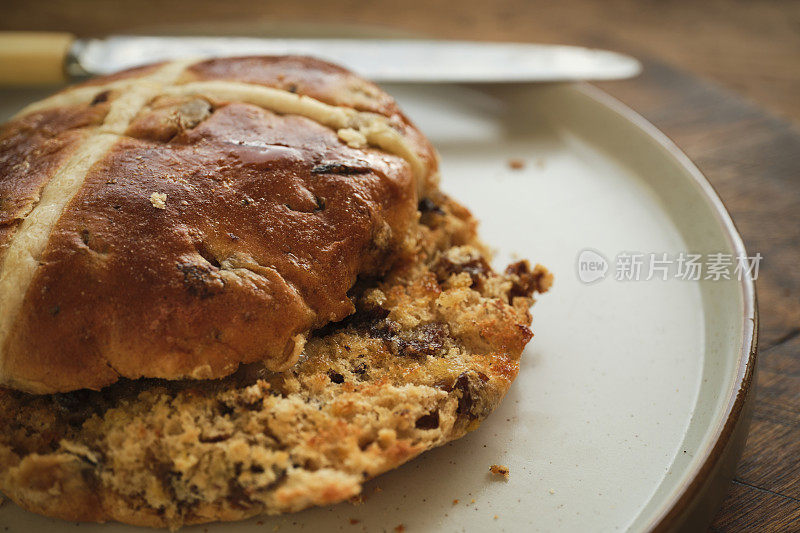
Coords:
702,61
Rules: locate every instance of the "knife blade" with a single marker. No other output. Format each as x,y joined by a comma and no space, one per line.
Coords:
391,60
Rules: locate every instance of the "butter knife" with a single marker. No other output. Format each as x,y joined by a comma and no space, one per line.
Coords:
35,58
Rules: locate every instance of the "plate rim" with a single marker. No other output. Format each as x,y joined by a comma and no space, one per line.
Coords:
678,507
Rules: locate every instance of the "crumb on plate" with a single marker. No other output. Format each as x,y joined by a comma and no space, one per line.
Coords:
516,163
501,470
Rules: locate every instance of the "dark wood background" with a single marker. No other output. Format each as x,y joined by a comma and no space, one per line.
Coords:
722,79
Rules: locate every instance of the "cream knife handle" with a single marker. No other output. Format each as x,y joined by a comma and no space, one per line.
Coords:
33,58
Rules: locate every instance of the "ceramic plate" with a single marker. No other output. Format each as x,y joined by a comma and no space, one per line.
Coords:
629,409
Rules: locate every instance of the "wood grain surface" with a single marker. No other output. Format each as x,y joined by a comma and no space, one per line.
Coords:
721,78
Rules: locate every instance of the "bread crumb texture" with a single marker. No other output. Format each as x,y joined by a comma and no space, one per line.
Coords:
500,470
429,352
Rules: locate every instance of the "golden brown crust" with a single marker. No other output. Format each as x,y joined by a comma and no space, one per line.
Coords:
32,148
323,81
130,74
318,79
267,222
213,233
431,351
